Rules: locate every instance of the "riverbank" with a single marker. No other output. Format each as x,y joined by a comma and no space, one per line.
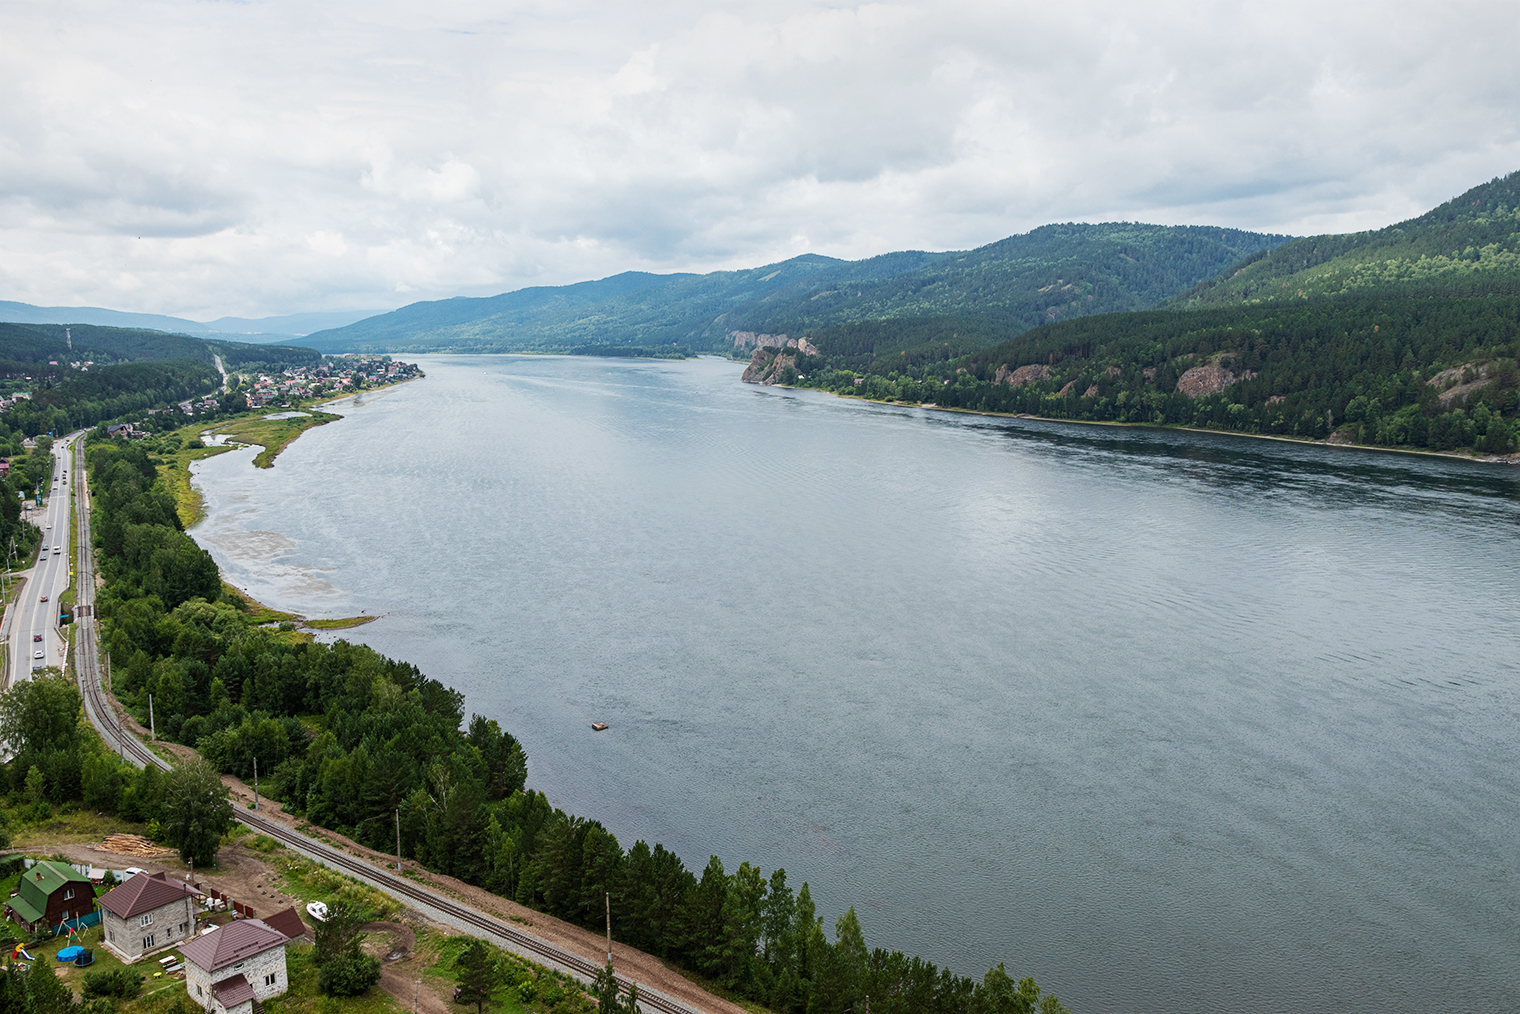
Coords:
1503,459
274,435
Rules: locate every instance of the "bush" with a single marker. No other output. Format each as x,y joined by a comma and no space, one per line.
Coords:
120,982
348,974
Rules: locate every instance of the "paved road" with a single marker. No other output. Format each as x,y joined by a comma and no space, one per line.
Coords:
432,904
33,624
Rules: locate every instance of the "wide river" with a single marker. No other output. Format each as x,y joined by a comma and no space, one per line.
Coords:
1168,721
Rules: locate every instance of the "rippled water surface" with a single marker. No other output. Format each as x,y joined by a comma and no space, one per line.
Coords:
1168,721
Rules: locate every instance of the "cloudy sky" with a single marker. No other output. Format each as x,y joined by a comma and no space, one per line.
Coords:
205,158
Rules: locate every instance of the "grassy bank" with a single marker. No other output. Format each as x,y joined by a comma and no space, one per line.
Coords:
274,435
339,624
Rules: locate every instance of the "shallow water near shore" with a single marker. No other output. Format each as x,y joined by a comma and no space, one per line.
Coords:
1168,721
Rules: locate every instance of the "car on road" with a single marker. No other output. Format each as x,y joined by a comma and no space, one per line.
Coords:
43,599
50,526
39,654
36,637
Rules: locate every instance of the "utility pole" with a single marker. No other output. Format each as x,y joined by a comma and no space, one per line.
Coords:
255,783
608,898
152,726
398,839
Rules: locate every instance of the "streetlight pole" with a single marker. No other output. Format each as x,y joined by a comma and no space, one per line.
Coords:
152,726
255,783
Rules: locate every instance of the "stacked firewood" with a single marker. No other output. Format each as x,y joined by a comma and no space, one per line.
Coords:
133,845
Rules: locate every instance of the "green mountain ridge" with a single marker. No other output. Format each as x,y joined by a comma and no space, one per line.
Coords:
1052,273
1469,246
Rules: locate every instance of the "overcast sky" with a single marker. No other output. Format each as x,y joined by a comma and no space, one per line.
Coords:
203,158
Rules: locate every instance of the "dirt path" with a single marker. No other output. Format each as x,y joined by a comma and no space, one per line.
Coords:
401,968
645,969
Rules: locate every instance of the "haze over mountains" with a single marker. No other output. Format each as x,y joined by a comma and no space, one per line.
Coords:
254,329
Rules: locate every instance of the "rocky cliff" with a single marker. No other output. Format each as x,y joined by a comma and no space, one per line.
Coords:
770,362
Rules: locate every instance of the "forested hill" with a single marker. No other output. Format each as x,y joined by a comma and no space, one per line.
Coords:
1469,246
79,374
1421,373
39,350
1053,273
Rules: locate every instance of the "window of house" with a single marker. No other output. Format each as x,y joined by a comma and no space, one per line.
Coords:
147,941
269,979
145,920
199,991
68,894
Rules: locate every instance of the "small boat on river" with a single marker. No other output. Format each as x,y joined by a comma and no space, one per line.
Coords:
599,726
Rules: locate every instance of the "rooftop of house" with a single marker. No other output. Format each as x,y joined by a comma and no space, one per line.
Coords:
233,990
48,876
234,942
286,921
143,893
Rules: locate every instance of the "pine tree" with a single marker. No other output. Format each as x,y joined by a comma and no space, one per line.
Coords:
477,979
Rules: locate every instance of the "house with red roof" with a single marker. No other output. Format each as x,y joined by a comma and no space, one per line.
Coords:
228,969
146,913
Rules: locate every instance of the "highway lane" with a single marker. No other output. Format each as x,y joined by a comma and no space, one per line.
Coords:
49,576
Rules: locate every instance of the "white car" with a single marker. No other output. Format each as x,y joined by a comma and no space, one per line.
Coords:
39,653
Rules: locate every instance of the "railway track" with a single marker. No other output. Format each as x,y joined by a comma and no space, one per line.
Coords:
98,710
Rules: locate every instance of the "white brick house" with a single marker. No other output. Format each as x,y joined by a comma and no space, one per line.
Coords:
146,913
229,968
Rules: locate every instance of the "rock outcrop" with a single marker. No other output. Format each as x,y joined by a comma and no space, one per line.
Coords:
1460,381
1021,376
750,339
1210,378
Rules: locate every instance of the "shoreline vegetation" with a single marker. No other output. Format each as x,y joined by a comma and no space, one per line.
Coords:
273,435
372,748
1346,445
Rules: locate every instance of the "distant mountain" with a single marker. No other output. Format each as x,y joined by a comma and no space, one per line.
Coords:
290,325
1469,246
1053,273
255,329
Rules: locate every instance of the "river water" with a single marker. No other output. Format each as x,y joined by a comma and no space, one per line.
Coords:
1171,722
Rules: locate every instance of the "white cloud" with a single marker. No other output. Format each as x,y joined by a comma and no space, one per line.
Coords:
201,159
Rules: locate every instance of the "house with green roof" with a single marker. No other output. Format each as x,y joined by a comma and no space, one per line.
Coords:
50,893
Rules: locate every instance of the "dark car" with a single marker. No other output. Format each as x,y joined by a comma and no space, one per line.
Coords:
36,637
